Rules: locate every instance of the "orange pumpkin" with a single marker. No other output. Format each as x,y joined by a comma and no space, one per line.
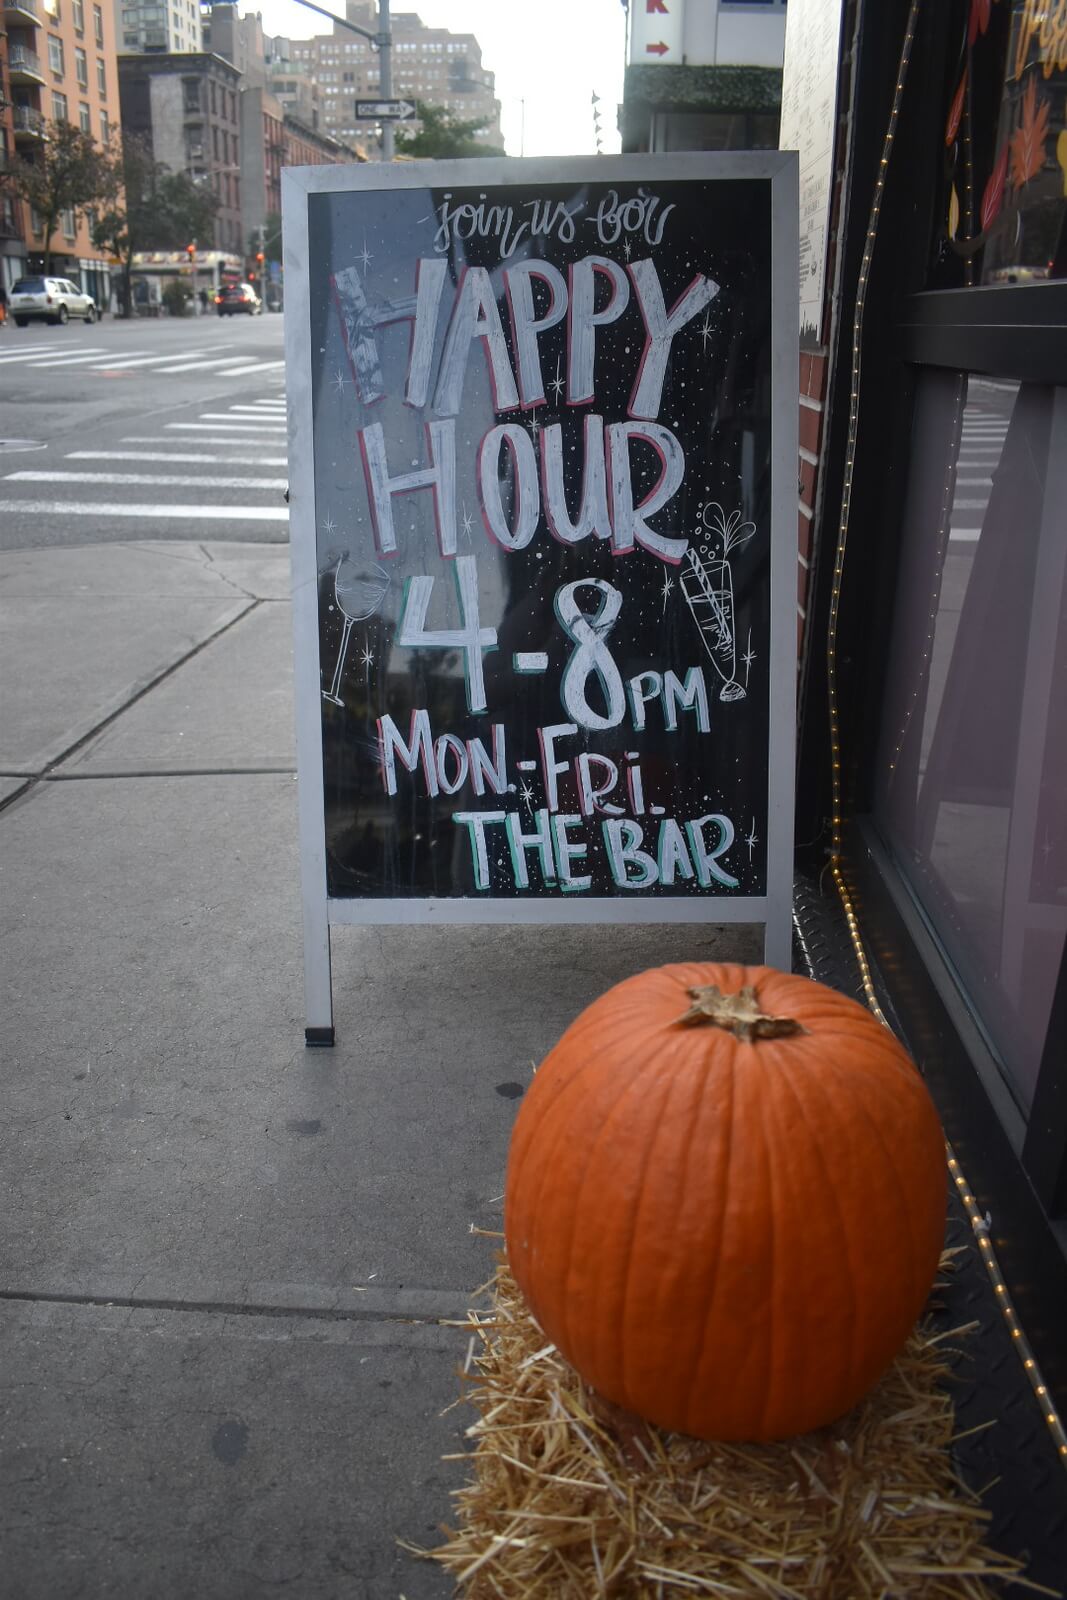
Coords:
726,1198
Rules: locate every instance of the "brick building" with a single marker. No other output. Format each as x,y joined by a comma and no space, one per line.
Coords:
60,68
271,138
188,104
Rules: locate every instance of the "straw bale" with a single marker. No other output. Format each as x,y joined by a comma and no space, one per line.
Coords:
572,1499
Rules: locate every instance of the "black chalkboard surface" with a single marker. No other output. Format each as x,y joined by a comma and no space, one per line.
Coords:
546,421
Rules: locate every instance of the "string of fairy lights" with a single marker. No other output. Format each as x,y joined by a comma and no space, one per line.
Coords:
979,1224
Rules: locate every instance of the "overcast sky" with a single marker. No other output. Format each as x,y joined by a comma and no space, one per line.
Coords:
550,54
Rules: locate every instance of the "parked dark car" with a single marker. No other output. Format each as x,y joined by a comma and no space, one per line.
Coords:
236,297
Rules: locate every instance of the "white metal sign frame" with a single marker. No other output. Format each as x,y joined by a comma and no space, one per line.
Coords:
778,169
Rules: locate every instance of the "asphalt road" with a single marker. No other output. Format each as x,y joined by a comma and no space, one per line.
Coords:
169,429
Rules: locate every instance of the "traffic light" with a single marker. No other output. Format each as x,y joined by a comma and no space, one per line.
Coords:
190,251
251,277
259,258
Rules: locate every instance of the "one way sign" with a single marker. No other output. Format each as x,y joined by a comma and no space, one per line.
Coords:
384,110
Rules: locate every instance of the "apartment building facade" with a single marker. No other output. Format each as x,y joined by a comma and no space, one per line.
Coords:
12,249
61,67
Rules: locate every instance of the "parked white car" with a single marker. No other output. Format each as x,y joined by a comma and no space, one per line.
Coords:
49,300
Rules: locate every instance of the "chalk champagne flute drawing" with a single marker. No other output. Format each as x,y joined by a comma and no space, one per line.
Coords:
358,590
708,585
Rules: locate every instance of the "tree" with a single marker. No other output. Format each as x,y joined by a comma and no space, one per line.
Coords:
443,134
148,207
68,171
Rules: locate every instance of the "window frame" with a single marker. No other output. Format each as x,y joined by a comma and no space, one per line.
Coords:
1017,1164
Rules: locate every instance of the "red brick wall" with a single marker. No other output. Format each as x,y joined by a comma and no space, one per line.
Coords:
813,371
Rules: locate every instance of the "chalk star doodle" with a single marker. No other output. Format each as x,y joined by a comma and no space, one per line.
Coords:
535,428
329,526
365,256
667,591
526,792
752,838
366,655
627,249
705,330
557,384
748,657
468,523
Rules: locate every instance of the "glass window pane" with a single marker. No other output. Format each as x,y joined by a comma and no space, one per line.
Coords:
972,769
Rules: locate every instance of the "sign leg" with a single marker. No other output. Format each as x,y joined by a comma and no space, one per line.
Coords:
318,985
778,943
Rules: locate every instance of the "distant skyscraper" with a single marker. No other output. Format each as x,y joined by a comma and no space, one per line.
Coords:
429,64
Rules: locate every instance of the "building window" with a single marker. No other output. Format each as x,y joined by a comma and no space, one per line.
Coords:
81,67
98,25
84,118
59,108
101,77
105,127
69,230
55,55
77,11
131,40
191,95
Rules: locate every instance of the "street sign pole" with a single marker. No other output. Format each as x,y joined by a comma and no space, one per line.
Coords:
385,75
384,41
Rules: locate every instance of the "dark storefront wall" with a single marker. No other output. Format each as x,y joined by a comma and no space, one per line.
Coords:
950,660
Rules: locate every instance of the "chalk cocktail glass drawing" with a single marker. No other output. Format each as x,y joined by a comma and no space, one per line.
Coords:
708,585
358,590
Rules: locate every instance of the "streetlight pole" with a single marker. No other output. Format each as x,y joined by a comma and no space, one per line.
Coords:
383,41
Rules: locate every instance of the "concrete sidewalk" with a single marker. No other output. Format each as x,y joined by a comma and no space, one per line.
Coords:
226,1261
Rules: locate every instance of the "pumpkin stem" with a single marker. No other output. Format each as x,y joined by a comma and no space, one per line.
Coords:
739,1014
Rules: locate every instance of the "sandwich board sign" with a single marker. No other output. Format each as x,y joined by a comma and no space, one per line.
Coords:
543,443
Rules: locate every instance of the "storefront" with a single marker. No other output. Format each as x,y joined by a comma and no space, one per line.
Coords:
933,687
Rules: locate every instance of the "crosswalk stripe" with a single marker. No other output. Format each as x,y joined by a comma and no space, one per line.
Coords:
187,366
242,422
28,358
109,508
258,366
106,363
238,438
260,408
175,455
131,361
169,479
64,361
247,430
